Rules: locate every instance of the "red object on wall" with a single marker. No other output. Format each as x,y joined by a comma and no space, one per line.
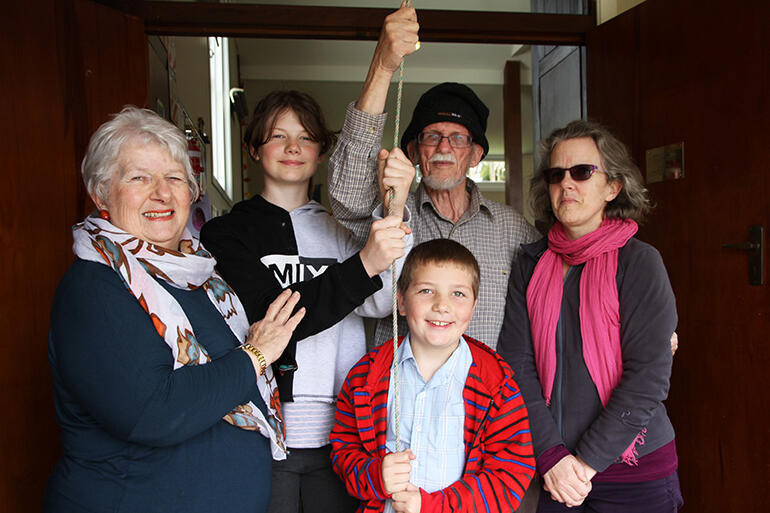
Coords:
194,150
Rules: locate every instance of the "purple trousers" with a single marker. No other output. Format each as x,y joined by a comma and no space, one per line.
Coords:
658,496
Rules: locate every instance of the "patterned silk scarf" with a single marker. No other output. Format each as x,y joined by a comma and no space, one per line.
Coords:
139,264
599,306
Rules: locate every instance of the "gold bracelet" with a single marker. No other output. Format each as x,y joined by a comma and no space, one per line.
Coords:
260,357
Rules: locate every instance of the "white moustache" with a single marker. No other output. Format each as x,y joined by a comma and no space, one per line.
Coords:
443,157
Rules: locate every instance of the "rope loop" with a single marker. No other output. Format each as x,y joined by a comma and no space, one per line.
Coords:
392,194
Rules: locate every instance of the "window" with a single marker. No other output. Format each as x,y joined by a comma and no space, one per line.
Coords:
489,175
489,170
219,74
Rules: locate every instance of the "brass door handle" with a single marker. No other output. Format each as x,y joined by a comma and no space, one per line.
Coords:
756,248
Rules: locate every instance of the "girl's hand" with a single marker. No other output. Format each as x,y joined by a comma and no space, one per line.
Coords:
385,244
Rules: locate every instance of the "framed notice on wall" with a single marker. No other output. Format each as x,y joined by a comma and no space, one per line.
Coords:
665,163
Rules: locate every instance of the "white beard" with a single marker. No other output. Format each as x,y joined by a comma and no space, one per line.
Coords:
438,184
445,184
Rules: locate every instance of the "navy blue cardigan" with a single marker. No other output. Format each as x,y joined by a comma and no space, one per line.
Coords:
137,435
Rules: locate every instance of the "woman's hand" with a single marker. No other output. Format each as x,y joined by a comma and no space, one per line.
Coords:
567,481
394,172
408,501
395,471
385,244
272,334
588,470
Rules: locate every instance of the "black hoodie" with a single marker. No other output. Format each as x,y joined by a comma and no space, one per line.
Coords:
256,228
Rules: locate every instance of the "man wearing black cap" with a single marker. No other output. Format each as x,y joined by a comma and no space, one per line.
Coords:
446,137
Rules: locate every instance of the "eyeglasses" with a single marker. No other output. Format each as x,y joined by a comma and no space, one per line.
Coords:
434,139
578,172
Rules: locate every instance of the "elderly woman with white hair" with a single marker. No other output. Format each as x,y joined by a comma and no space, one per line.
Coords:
161,406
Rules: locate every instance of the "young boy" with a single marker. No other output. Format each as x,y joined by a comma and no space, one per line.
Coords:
464,430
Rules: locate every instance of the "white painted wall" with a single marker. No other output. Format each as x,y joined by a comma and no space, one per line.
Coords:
193,89
608,9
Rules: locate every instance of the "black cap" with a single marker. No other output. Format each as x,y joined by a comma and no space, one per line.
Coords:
449,102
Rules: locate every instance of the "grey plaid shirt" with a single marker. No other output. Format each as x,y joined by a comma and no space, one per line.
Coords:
493,232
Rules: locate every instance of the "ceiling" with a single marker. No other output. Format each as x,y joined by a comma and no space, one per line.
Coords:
344,61
308,64
348,61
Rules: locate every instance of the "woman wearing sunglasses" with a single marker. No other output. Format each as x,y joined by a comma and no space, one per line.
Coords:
589,315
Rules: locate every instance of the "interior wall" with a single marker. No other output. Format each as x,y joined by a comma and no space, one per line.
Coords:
194,91
193,86
608,9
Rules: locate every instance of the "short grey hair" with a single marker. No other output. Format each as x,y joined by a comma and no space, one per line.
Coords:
632,202
131,123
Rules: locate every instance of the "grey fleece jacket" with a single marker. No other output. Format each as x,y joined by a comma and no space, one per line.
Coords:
575,416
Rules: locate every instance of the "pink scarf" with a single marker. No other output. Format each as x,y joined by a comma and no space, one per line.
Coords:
599,306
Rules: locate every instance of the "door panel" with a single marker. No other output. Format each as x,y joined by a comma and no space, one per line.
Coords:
561,85
55,95
666,72
558,77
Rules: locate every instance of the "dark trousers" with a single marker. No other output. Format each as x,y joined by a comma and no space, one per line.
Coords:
307,475
658,496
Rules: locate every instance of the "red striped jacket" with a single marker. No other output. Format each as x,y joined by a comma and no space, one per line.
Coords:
499,461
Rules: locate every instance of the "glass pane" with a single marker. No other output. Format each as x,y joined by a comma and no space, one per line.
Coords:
491,170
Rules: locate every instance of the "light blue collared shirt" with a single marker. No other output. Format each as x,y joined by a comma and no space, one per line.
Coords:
432,418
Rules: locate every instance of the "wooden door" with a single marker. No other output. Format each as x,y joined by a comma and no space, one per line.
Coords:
670,71
66,66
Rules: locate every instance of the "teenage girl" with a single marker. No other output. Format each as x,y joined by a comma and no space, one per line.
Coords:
281,238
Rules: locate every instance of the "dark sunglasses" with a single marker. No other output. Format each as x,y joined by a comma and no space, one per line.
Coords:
578,172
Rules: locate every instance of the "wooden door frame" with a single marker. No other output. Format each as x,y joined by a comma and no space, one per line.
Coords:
354,23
